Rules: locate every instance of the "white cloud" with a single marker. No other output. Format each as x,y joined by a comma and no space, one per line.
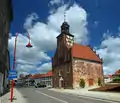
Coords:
25,67
56,2
45,67
53,5
52,2
43,35
29,20
77,19
25,73
110,52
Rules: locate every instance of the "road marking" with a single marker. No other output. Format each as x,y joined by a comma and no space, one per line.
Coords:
51,97
99,99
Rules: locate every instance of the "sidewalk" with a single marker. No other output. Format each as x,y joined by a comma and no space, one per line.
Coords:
17,95
92,94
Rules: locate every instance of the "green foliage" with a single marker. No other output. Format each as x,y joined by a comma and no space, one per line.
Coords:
116,80
82,83
99,81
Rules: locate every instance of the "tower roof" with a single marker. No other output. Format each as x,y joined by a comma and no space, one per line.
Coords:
65,24
65,28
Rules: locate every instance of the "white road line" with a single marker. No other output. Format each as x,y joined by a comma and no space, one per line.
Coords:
51,97
98,99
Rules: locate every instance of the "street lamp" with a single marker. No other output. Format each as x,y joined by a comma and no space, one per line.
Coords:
29,44
14,61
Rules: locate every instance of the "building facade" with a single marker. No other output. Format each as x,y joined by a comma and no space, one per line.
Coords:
108,78
43,78
72,62
6,17
116,76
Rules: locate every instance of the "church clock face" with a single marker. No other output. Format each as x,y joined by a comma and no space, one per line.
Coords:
69,40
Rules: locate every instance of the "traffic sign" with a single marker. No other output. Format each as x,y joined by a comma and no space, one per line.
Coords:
12,72
12,75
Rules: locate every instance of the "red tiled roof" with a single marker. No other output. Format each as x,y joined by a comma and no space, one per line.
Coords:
36,76
109,75
117,72
84,52
49,74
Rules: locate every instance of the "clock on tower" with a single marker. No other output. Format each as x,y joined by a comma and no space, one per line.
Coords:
69,40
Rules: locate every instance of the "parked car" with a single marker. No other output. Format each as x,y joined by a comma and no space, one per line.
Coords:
31,84
49,86
41,85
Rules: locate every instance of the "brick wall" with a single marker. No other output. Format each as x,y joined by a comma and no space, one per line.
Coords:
86,70
65,72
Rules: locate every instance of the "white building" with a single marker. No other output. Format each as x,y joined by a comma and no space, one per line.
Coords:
108,78
43,78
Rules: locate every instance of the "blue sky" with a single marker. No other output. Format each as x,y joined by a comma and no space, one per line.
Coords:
98,25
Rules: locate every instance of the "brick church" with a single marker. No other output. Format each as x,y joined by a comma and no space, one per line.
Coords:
72,62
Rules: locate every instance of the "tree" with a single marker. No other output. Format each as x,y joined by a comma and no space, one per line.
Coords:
82,83
99,81
116,80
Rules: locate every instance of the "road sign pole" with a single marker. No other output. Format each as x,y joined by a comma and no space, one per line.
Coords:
14,62
11,95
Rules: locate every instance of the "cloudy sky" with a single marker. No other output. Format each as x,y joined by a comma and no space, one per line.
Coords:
93,22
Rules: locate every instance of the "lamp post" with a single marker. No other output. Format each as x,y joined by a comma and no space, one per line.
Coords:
14,61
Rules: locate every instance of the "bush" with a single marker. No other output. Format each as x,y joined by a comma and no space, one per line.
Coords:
82,83
99,82
116,80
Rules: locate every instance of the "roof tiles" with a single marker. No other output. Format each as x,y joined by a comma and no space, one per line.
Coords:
84,52
49,74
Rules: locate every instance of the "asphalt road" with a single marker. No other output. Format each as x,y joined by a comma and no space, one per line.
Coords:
40,95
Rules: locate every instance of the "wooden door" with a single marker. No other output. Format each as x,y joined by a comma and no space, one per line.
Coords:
62,83
91,82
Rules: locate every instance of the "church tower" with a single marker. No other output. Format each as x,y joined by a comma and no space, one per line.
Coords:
65,38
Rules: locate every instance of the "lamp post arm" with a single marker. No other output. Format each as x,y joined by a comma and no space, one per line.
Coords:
29,36
14,60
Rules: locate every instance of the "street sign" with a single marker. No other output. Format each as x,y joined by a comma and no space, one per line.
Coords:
12,75
12,72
